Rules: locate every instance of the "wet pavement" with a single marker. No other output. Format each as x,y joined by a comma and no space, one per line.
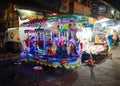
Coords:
105,73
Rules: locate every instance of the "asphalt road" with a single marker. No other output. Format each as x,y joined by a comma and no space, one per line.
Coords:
105,73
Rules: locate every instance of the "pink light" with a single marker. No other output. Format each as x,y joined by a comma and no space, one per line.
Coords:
54,14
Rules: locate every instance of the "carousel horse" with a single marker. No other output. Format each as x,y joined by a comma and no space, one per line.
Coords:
61,42
54,49
61,46
40,43
71,48
56,40
49,51
79,47
50,48
33,45
28,41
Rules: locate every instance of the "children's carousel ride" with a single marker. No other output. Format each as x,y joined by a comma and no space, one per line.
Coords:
55,48
58,52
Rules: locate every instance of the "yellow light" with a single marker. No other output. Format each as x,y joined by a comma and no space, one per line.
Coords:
26,12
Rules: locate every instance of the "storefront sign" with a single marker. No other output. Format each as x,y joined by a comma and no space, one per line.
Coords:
81,9
101,9
13,34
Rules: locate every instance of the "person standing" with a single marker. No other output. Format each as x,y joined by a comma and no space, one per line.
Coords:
115,37
117,40
110,43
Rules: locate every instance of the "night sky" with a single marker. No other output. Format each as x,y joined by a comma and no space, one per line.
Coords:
114,3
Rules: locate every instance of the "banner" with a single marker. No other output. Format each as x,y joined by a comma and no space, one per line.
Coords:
81,9
100,9
13,34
